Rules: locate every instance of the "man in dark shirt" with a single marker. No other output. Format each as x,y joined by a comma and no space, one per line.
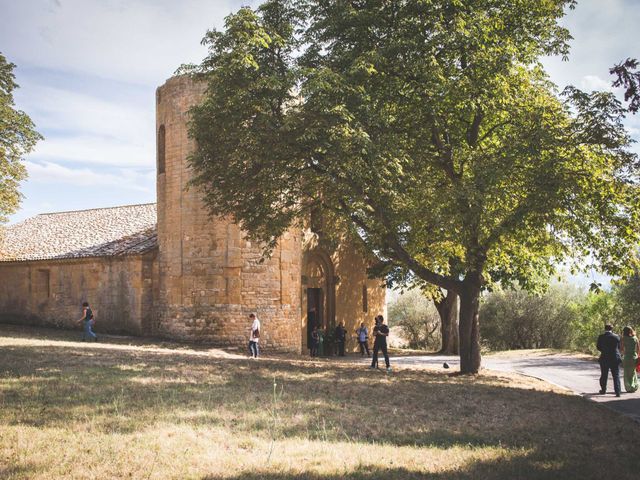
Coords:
380,332
609,347
87,322
341,335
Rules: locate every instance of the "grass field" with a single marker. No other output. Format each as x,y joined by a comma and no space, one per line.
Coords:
154,411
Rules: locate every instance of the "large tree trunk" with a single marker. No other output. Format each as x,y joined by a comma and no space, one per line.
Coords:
448,310
469,326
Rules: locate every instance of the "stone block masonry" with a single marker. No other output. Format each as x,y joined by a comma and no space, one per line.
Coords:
210,277
181,274
51,292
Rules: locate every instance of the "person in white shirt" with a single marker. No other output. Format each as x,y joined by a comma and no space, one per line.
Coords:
254,336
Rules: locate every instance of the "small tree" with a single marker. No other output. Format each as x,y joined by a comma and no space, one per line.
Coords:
596,309
627,297
429,130
418,318
17,138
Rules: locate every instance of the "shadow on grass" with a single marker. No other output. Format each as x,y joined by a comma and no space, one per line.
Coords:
22,470
513,469
125,391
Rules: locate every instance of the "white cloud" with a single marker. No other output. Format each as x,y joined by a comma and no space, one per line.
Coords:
95,150
594,82
603,31
52,173
141,41
64,110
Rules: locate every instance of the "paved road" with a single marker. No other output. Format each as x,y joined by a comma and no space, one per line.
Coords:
580,376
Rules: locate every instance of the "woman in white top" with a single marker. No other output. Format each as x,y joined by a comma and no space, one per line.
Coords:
254,336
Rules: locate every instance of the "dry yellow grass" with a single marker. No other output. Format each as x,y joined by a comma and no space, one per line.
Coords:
157,410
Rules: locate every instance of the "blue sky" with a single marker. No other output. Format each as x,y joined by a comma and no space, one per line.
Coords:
88,70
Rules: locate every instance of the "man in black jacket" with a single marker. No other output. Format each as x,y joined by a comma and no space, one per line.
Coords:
341,336
380,334
609,347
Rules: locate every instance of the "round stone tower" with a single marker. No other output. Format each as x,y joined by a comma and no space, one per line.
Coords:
210,277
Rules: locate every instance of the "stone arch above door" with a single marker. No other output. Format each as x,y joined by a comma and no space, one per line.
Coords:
318,277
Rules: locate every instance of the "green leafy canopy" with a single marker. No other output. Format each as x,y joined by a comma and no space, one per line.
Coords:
429,129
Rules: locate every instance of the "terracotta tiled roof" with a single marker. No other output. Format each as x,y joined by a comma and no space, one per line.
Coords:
100,232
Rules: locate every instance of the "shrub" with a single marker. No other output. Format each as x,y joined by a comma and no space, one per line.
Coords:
594,311
418,318
627,297
516,319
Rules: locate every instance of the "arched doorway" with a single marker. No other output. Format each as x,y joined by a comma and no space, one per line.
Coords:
318,293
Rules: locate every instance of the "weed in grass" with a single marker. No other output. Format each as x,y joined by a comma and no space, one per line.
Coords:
274,425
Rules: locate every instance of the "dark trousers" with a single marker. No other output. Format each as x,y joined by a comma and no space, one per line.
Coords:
364,346
614,366
341,348
377,347
253,349
313,349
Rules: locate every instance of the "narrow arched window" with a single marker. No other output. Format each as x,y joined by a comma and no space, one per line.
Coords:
161,142
365,300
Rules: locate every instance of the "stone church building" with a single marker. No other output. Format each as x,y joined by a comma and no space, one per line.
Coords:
170,270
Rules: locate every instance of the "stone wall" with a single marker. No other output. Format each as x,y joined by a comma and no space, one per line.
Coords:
211,278
358,298
349,295
51,292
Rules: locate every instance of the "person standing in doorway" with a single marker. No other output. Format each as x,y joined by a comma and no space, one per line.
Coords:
630,351
315,341
341,336
254,336
609,347
363,339
311,324
87,322
381,332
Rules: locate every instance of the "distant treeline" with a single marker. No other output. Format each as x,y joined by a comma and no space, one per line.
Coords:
563,317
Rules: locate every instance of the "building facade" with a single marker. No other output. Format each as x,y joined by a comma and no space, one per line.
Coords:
178,272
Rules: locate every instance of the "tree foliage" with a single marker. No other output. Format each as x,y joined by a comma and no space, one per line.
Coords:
17,138
428,129
418,318
594,311
627,297
517,319
561,317
628,77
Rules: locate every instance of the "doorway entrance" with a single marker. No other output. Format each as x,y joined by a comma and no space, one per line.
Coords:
319,288
315,313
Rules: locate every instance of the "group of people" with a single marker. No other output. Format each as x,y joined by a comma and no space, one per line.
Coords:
340,335
615,352
380,334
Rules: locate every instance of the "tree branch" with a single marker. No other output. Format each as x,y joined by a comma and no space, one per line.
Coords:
474,129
